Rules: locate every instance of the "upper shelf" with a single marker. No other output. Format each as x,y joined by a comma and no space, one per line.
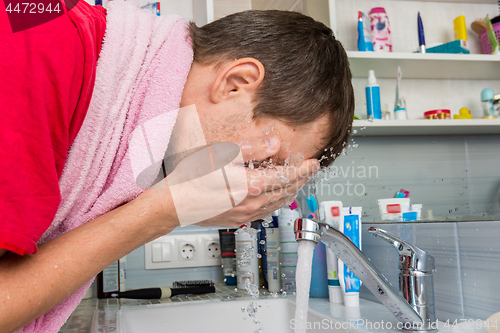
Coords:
426,127
425,66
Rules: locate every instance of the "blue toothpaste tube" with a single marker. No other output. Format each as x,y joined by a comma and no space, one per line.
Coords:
350,283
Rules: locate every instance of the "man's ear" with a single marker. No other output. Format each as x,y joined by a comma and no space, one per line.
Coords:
240,77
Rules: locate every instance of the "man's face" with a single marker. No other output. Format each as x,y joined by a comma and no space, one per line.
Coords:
296,142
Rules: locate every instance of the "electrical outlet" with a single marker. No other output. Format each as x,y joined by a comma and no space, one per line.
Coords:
212,249
179,251
187,251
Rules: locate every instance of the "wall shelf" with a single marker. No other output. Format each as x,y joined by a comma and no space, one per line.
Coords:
426,127
426,66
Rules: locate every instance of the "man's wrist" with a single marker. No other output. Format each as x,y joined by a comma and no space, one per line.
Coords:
158,208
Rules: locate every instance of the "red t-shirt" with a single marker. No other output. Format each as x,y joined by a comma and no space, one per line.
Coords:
47,75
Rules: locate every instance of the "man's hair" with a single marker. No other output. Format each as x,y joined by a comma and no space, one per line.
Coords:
307,71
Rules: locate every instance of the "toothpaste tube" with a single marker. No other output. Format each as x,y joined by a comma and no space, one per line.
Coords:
350,283
331,212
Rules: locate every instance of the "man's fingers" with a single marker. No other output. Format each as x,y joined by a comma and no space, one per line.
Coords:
267,210
290,190
273,179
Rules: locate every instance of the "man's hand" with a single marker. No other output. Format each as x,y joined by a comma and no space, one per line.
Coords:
268,188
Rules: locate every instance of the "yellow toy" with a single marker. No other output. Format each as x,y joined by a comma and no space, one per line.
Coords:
464,113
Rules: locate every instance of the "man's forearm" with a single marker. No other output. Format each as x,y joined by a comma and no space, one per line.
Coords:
31,285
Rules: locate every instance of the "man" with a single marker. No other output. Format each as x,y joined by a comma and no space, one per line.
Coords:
276,83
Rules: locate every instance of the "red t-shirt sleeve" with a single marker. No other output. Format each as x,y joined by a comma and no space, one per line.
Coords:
47,74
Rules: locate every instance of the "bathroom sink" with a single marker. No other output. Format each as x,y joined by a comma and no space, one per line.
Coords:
275,315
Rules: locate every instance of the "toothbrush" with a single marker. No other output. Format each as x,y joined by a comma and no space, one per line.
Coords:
399,102
312,204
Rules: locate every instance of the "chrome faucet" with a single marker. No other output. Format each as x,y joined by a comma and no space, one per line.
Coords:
414,305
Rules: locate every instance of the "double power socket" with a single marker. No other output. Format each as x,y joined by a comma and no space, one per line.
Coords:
180,251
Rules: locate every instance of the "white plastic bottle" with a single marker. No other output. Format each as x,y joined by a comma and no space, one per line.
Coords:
372,90
288,248
247,262
273,259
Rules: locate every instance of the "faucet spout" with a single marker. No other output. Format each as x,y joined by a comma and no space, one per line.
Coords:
358,263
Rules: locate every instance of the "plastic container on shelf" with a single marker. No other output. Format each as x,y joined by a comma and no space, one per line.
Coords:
372,90
485,41
381,30
459,28
438,114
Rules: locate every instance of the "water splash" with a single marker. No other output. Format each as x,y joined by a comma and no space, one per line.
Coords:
245,258
252,307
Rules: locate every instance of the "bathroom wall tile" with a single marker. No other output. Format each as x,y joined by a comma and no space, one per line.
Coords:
483,175
480,262
439,239
432,168
382,255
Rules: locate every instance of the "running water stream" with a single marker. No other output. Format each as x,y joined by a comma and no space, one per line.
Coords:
303,282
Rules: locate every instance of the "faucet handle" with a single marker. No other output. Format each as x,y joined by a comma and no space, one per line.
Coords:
410,257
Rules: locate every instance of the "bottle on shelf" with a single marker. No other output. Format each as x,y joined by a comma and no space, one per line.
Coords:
372,90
